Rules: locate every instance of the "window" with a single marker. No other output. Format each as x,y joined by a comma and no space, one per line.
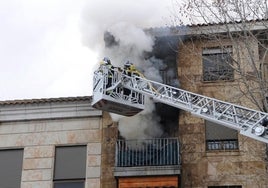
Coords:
70,167
217,64
11,167
219,137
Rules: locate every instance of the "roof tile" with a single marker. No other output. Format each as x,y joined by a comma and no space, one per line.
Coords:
46,100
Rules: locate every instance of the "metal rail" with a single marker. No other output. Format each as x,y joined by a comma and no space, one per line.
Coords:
249,122
147,152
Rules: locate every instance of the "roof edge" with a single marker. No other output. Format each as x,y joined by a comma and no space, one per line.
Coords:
45,100
43,109
208,28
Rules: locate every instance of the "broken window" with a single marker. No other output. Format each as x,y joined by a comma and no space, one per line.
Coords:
217,64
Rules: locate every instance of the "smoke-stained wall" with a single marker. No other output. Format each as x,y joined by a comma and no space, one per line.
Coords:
166,49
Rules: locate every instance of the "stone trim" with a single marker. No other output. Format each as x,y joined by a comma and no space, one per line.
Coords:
49,110
146,171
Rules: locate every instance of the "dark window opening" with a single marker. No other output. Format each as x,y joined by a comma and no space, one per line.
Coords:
70,167
69,184
217,65
11,167
219,137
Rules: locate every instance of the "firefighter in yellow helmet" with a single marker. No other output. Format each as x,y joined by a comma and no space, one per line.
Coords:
130,69
127,69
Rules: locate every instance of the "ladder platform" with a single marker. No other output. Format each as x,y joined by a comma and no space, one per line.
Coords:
110,96
117,105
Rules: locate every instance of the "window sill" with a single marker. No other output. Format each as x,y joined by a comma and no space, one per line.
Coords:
213,153
217,84
217,81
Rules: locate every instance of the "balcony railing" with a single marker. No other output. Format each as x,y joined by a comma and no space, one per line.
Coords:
147,152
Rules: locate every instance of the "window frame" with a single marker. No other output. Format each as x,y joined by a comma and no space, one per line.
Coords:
70,181
230,143
20,168
222,70
58,177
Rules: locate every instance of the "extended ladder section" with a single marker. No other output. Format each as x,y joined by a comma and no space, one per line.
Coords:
249,122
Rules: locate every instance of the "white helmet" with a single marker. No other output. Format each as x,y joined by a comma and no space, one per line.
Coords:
127,64
107,60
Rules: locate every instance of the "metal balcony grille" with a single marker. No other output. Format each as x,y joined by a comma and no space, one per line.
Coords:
222,144
147,152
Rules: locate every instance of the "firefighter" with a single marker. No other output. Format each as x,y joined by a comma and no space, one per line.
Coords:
135,72
133,69
127,72
127,66
130,70
107,63
106,59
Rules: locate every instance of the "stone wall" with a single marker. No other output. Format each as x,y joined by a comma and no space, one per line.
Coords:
201,168
40,132
110,134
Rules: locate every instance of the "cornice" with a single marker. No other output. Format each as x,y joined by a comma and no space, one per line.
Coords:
47,110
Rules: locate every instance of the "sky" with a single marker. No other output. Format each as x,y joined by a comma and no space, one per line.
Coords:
50,48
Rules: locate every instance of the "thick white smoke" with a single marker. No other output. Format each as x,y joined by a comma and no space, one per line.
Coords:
142,126
98,16
125,21
131,44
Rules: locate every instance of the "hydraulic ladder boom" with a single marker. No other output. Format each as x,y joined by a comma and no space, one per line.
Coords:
248,122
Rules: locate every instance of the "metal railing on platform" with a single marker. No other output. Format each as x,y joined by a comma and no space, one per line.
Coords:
147,152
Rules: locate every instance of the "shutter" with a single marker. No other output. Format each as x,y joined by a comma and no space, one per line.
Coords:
149,182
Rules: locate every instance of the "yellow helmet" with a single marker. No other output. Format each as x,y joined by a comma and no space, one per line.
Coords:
132,67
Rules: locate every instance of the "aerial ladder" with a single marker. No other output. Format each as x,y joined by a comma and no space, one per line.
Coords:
120,93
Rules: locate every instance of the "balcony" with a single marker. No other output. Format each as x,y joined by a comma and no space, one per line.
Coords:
147,157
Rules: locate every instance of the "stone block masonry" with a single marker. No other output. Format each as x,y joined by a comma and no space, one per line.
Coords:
38,128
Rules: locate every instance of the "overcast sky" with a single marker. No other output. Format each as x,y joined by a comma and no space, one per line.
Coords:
49,48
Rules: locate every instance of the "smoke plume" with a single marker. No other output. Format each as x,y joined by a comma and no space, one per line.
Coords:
130,43
115,29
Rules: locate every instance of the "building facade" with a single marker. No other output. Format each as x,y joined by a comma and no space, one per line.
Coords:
50,143
213,155
64,142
